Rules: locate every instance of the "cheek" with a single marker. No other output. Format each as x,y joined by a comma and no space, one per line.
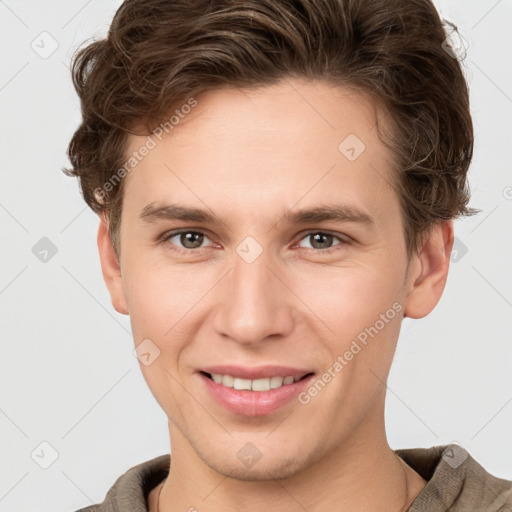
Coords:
160,301
349,299
158,296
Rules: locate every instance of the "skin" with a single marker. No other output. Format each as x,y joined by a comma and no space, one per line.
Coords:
250,156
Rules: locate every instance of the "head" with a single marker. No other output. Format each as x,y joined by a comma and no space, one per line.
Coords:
326,143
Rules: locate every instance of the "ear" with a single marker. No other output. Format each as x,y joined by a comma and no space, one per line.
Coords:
110,267
429,271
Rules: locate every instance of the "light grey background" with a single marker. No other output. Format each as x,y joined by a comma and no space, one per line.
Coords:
68,376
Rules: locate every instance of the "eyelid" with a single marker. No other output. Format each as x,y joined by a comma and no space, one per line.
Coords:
171,234
342,237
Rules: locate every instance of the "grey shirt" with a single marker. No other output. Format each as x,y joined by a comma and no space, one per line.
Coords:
456,483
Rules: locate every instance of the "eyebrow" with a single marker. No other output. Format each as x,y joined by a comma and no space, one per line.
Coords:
336,213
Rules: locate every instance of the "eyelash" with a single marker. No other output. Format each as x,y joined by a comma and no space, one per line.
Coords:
342,241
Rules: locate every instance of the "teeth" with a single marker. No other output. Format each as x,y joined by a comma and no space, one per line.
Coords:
253,385
276,382
228,381
240,383
260,385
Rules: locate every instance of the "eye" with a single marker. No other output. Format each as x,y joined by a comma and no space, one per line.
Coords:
187,238
321,240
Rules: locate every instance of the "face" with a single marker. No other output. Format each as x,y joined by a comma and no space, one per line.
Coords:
260,239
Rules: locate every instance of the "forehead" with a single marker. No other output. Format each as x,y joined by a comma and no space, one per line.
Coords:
289,142
274,115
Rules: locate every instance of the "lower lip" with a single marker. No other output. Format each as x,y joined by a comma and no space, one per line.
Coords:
253,403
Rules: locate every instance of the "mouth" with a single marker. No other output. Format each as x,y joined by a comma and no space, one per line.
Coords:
263,394
258,385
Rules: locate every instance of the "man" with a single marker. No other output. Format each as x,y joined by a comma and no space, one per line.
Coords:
276,183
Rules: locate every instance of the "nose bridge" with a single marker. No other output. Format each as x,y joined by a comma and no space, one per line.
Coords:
255,303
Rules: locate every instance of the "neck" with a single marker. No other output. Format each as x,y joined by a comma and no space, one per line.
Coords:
362,473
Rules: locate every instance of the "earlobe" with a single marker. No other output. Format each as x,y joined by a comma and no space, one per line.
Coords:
110,267
430,271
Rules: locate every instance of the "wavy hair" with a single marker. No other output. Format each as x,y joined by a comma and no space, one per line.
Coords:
158,53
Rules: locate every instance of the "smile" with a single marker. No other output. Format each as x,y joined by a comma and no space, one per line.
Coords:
253,397
264,384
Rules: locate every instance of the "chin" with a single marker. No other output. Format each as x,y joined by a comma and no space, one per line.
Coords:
259,474
261,471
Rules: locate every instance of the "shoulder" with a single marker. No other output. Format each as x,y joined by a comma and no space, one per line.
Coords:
456,481
129,492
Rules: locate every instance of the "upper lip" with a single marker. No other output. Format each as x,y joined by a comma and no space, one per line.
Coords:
256,372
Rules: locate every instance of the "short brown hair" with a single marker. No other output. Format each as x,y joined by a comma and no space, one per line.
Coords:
158,53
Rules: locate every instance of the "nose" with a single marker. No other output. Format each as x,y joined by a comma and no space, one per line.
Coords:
253,303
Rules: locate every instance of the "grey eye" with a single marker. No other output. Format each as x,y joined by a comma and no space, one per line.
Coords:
188,239
320,240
